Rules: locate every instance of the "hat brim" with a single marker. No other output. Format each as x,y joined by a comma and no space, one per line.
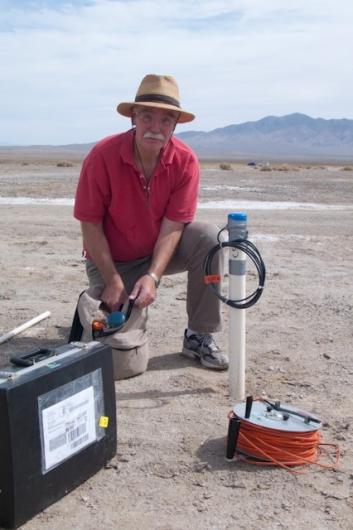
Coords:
125,109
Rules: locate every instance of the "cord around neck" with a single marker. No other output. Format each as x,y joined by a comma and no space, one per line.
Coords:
146,174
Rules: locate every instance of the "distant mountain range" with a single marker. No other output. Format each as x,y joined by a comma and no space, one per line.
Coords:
295,136
291,137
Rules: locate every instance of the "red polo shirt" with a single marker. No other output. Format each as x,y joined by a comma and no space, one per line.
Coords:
111,190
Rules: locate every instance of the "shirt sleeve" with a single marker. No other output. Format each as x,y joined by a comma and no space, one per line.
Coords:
183,200
93,192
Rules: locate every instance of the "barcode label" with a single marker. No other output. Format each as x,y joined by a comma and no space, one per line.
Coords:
80,441
69,437
68,427
56,442
75,433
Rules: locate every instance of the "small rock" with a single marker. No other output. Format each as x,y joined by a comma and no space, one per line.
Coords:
326,355
263,486
110,465
341,437
200,484
85,499
235,485
202,466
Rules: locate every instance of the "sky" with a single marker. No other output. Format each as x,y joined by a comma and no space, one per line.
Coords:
65,65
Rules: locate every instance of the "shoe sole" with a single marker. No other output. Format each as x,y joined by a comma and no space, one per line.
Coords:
191,354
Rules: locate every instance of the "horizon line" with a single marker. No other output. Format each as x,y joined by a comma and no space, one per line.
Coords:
56,145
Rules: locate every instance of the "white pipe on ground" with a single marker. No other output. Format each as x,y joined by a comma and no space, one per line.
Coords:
237,228
24,326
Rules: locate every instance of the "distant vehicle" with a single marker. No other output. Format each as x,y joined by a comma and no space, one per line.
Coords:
252,164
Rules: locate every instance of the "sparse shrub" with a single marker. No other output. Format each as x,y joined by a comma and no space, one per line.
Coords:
266,168
347,168
283,167
64,164
225,166
24,163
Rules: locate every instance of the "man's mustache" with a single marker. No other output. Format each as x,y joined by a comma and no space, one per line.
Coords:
154,136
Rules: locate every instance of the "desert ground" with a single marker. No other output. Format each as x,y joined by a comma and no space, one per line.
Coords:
170,471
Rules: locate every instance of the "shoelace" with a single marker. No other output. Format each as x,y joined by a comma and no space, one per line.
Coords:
208,340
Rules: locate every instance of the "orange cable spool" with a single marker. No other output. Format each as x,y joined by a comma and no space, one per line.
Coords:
275,436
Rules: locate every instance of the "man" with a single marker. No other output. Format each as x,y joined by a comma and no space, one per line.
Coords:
136,200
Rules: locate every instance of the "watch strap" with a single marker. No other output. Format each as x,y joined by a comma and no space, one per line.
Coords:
155,278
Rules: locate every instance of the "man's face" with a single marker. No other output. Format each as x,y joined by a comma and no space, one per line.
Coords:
154,127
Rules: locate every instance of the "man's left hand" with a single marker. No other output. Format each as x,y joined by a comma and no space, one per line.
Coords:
144,291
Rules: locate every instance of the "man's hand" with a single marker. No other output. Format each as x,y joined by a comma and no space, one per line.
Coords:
114,296
144,291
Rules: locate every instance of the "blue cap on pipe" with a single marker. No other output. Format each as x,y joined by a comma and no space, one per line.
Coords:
237,216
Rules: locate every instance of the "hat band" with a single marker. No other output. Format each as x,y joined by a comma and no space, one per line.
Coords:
157,98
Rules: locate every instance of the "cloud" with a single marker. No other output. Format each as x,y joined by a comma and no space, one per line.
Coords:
67,64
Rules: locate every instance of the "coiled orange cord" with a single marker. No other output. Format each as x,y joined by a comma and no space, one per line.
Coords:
281,448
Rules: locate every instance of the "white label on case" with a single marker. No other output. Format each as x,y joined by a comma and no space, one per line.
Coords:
68,427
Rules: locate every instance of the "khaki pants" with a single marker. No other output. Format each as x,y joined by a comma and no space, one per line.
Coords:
202,306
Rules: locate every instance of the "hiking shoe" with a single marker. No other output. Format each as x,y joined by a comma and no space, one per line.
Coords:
203,347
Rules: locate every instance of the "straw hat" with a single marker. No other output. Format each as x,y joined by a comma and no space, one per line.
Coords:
160,91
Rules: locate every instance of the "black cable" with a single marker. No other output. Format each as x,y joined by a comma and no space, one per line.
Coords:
252,252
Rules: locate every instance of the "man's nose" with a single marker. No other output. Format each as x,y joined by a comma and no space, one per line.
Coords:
156,124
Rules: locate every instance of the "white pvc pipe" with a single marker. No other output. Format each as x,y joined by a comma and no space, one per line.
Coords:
24,326
237,325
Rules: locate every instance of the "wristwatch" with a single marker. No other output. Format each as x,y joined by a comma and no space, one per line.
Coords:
155,278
